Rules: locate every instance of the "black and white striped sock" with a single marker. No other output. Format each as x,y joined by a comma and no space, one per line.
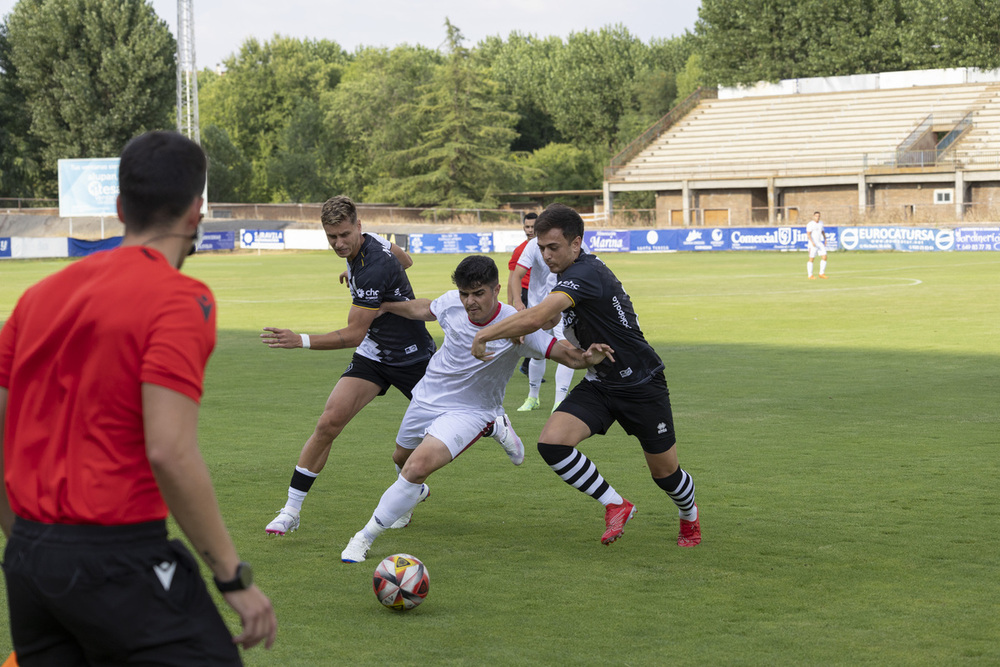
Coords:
680,487
578,471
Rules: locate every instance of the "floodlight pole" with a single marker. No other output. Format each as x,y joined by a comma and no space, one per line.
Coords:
187,75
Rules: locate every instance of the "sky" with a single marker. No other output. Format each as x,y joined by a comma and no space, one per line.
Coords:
221,26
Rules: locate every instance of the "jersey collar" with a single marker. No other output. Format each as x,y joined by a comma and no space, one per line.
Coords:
489,321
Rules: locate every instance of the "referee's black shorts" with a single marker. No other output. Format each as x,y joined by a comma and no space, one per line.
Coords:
643,411
403,378
110,595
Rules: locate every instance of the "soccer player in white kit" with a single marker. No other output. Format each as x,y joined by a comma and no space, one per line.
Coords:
541,282
460,397
816,238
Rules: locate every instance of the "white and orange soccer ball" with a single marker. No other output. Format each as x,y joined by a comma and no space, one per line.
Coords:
401,582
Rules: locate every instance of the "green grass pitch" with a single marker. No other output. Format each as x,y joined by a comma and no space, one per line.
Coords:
843,435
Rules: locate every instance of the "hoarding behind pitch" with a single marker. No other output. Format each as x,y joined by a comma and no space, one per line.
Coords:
88,188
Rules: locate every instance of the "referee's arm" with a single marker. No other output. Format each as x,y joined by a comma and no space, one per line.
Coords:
6,513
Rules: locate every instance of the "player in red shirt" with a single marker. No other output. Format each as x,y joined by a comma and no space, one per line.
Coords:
101,370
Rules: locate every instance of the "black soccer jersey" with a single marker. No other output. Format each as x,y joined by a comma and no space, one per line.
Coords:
602,313
376,276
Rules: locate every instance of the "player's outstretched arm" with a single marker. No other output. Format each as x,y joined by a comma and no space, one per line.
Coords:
567,354
521,323
401,256
415,309
358,321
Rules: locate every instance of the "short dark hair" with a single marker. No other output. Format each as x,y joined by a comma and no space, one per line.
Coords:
337,210
531,216
159,175
561,217
475,271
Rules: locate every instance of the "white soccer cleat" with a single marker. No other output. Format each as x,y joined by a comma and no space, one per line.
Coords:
404,521
357,549
503,432
286,522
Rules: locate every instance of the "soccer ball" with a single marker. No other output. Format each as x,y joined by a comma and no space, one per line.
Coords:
401,582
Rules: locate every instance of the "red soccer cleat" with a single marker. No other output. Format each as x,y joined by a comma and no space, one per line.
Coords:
615,518
690,535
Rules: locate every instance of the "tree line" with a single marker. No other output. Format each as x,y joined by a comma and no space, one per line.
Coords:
294,120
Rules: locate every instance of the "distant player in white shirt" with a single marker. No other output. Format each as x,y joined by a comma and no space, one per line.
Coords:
460,397
541,282
816,238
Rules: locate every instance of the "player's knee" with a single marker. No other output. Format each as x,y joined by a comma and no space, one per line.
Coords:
331,423
553,454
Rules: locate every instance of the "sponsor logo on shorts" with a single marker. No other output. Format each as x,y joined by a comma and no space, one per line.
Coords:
165,573
350,367
625,373
411,349
661,427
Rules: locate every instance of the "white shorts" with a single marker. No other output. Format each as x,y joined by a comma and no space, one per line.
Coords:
457,430
557,330
813,251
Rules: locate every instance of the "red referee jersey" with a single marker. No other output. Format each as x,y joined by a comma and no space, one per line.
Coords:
512,264
73,356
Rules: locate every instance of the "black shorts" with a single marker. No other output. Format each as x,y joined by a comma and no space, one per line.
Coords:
99,595
403,378
643,411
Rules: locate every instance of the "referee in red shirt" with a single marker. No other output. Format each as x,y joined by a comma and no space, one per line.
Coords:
101,370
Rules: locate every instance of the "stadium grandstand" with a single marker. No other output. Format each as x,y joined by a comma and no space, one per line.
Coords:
899,147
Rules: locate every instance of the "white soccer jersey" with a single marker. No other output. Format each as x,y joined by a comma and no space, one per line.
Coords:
455,380
814,230
542,280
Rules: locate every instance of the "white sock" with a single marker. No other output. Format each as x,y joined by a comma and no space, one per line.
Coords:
809,268
536,370
822,267
564,378
295,496
397,500
611,497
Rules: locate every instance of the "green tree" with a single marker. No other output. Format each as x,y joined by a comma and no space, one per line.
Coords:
522,66
462,158
19,168
257,97
93,74
768,40
373,113
591,87
951,33
228,169
692,77
564,167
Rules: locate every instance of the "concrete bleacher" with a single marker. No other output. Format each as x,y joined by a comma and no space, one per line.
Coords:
839,132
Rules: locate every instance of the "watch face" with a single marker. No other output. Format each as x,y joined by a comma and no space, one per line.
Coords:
245,575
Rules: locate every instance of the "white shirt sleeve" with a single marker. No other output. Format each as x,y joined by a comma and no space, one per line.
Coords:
381,239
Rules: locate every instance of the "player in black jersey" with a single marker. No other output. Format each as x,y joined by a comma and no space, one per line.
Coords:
631,389
391,350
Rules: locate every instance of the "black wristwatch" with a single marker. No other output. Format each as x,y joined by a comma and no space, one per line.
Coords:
242,581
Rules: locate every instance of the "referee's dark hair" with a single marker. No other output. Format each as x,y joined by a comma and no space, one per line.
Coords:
561,217
160,173
475,271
